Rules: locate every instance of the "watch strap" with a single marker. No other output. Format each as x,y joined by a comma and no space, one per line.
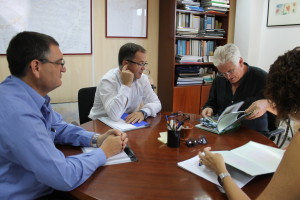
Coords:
144,113
221,177
94,140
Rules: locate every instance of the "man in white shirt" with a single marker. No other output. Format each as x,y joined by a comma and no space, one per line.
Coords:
123,89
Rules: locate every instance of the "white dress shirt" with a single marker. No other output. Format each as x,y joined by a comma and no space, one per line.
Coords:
112,98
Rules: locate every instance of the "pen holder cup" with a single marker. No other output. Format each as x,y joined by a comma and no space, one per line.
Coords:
173,139
186,131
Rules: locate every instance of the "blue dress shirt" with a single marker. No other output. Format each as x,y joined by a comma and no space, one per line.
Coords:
30,164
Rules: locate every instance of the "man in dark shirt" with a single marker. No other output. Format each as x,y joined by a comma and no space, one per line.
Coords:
236,81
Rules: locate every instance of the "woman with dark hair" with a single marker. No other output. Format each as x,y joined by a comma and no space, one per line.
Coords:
283,99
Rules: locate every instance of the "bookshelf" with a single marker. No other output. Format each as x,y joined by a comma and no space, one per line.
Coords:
174,97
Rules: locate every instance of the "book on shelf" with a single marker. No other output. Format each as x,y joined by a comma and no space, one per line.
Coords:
190,79
215,12
187,29
188,59
208,78
214,33
194,51
215,1
216,4
216,30
193,3
209,22
228,120
243,163
218,25
185,75
222,10
122,125
195,8
212,36
195,22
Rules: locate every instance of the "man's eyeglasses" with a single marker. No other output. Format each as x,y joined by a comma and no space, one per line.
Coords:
139,64
61,62
226,74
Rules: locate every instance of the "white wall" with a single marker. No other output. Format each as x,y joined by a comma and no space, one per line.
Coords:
261,45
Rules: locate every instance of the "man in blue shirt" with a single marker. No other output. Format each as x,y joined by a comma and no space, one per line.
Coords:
30,164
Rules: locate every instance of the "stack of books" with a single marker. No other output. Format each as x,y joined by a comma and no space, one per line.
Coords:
213,33
190,32
189,5
194,75
188,75
215,6
187,24
200,48
188,59
190,81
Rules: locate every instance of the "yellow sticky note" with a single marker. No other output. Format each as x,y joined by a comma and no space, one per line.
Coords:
163,137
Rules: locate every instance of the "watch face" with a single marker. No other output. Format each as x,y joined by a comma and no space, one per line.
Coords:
221,177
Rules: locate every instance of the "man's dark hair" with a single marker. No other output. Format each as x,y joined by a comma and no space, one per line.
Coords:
25,47
128,50
283,84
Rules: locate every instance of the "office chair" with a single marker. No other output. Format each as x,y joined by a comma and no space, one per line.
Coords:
276,133
86,98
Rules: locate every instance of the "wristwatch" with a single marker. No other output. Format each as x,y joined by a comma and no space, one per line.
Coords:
144,113
221,177
94,140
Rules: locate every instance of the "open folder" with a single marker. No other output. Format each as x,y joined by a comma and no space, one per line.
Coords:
228,120
124,157
122,125
243,163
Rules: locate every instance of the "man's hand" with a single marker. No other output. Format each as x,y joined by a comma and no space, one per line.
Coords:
258,108
102,137
126,76
207,112
135,117
114,143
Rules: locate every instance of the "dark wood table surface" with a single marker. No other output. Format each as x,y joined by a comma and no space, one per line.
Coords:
156,175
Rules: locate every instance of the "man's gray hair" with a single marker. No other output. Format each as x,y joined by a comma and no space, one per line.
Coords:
225,54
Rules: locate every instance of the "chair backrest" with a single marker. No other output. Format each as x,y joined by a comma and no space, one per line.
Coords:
272,122
86,98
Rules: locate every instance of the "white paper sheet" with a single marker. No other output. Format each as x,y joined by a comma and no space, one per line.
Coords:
116,159
192,165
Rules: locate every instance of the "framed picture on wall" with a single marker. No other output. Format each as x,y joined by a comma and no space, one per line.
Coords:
126,18
283,13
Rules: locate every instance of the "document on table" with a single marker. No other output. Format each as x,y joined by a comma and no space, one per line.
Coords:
122,125
243,163
124,157
254,158
192,165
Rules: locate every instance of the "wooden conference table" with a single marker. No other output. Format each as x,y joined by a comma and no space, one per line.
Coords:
156,175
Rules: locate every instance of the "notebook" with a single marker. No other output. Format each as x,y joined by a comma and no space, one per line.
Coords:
122,125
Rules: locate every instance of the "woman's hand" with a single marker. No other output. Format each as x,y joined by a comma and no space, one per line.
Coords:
213,161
